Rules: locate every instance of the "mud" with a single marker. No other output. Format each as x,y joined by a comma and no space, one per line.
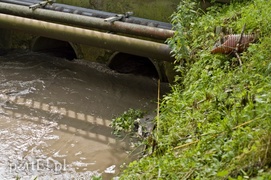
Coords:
55,116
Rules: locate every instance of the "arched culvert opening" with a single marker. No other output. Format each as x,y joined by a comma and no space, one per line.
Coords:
57,48
132,64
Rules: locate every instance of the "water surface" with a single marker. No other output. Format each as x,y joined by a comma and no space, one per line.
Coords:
55,116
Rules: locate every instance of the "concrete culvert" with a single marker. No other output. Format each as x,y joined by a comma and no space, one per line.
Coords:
57,48
132,64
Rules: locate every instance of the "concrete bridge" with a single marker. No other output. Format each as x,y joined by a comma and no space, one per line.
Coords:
124,42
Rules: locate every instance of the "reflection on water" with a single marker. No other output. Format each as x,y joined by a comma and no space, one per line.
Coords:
55,116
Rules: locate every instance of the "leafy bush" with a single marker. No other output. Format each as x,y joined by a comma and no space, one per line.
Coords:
216,123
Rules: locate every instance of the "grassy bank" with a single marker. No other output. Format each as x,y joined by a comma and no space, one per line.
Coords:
216,122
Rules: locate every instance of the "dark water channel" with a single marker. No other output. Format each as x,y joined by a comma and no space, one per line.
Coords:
55,116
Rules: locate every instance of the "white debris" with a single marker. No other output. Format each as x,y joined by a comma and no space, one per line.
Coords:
110,170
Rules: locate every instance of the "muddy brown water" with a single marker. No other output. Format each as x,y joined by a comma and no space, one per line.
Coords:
55,116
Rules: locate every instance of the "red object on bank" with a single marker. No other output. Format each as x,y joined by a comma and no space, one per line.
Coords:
228,43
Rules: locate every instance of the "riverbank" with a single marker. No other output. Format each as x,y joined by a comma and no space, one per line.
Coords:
215,124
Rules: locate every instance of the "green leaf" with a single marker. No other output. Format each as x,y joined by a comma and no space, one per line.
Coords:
222,173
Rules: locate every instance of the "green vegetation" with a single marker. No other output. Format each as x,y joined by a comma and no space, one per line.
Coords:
126,121
216,122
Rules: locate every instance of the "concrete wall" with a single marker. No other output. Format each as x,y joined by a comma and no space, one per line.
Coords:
151,9
5,41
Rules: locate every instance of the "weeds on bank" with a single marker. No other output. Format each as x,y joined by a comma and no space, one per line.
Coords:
216,123
126,122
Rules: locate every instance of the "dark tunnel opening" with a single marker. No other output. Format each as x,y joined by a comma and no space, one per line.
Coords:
53,47
132,64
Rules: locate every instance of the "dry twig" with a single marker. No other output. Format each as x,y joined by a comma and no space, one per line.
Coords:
239,45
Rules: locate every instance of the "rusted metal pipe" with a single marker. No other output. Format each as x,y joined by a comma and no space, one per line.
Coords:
87,22
92,13
113,42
